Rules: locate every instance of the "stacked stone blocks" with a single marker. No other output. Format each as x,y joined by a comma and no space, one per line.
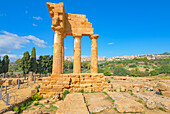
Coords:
73,83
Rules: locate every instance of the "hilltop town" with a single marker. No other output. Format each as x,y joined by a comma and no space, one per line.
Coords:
126,57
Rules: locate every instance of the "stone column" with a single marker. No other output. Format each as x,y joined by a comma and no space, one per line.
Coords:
64,36
57,53
94,67
77,53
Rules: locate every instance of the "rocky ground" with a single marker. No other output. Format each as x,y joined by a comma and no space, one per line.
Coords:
16,96
125,95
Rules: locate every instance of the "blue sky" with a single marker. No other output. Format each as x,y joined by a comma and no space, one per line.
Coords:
125,27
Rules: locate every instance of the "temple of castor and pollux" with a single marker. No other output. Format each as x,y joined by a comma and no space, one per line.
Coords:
76,25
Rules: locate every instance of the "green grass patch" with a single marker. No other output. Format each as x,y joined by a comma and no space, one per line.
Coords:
36,103
64,94
115,109
140,100
32,109
162,109
145,106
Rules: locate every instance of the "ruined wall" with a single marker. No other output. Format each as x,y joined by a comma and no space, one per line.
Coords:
70,24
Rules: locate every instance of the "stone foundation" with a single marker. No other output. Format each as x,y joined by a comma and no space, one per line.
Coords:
73,82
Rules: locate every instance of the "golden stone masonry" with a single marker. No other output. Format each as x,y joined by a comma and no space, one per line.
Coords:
76,25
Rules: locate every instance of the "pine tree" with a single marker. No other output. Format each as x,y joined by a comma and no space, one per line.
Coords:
0,66
25,65
33,64
5,64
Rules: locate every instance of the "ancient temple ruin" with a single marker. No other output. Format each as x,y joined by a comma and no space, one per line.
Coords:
77,25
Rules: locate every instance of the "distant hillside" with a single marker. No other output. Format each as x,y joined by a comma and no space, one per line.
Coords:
166,53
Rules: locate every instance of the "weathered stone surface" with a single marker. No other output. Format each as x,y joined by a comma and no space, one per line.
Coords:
97,101
10,112
162,86
160,101
151,104
31,78
124,104
7,82
73,104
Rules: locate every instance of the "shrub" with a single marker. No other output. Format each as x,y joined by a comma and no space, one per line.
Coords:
154,72
132,66
120,72
107,72
16,109
37,88
81,91
64,94
35,104
164,69
36,97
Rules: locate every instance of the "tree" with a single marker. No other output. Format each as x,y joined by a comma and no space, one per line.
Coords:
5,64
68,66
32,61
107,72
0,66
164,69
120,71
46,64
25,63
39,65
18,62
154,72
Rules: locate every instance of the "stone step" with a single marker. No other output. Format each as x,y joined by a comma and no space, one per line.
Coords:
97,102
73,104
125,103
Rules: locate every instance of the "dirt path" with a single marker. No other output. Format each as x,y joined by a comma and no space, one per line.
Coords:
18,95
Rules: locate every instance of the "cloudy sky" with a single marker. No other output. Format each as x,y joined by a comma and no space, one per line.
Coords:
124,27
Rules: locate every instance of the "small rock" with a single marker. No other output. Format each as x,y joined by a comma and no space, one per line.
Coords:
10,112
151,104
44,101
57,104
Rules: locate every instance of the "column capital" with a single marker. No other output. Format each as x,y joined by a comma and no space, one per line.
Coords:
95,36
58,28
77,36
64,36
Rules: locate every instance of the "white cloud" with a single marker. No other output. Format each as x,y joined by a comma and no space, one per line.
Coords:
10,41
12,57
111,43
34,25
37,18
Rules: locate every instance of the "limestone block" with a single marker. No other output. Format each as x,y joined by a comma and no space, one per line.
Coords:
46,87
7,83
15,82
31,78
97,89
162,86
46,82
165,93
89,89
125,105
151,104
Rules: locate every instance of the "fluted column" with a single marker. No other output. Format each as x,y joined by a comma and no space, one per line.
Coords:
57,53
64,36
77,53
94,67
